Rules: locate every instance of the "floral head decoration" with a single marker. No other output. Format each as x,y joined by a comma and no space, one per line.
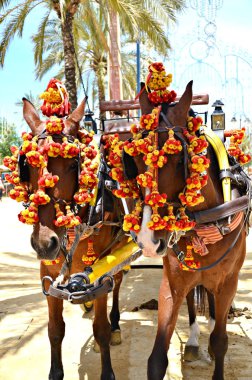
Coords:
145,142
56,100
37,156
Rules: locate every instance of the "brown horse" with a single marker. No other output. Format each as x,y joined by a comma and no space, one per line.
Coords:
48,241
218,270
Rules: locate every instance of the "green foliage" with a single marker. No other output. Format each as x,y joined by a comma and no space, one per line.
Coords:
8,137
81,44
35,100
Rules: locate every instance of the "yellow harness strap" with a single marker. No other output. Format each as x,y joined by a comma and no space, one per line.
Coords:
97,160
222,158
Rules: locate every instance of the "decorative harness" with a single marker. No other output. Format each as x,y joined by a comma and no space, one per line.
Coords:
217,216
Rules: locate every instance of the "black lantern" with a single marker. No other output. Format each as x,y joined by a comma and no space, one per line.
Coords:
218,117
89,122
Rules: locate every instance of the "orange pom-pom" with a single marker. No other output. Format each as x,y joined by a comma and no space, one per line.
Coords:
183,223
83,196
132,222
40,197
156,223
172,146
155,199
36,159
29,215
68,149
54,126
48,180
13,178
10,162
19,194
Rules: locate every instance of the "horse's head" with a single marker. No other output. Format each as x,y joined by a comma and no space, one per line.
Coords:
171,177
46,237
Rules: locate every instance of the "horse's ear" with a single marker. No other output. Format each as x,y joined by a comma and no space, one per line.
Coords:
72,122
145,104
185,101
78,113
31,115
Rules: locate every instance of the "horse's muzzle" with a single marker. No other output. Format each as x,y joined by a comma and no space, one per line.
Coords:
46,243
156,249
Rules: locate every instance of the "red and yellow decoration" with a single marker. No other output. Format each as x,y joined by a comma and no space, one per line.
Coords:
236,138
54,125
150,121
90,257
132,222
67,220
158,81
29,215
51,262
37,155
56,101
199,163
127,188
172,146
189,259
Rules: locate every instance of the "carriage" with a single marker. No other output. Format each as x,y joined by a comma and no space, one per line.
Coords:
165,187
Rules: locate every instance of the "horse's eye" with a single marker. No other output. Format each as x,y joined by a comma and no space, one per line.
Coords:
74,165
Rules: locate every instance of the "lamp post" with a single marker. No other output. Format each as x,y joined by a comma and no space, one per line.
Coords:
218,119
218,116
89,122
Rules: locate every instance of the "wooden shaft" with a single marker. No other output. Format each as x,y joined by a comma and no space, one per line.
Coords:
132,104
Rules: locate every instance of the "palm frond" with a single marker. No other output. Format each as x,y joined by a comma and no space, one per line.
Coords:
39,39
4,3
14,25
53,59
165,10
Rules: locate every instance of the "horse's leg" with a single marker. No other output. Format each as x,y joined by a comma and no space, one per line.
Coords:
211,321
56,333
102,334
218,338
115,313
168,308
191,352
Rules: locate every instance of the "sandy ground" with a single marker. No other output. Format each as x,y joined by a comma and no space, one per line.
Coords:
24,350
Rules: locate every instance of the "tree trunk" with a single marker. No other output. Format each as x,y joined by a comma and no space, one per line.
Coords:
69,54
114,59
100,75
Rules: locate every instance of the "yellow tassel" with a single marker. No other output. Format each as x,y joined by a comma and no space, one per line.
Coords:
90,257
51,262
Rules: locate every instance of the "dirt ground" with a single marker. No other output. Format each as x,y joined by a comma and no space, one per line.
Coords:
24,350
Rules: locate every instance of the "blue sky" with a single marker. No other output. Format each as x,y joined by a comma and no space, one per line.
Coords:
17,77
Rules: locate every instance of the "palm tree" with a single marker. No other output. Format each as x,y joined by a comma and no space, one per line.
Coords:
137,22
134,15
15,17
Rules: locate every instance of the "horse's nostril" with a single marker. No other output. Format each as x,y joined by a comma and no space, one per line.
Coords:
162,247
53,243
140,245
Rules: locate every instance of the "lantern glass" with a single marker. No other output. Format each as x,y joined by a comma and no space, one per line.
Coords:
218,117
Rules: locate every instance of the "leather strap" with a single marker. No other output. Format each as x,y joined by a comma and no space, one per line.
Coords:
219,212
89,294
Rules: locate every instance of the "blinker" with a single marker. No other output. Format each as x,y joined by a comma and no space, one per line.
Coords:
23,169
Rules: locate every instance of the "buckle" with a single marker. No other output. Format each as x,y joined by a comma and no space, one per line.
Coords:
225,230
181,256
